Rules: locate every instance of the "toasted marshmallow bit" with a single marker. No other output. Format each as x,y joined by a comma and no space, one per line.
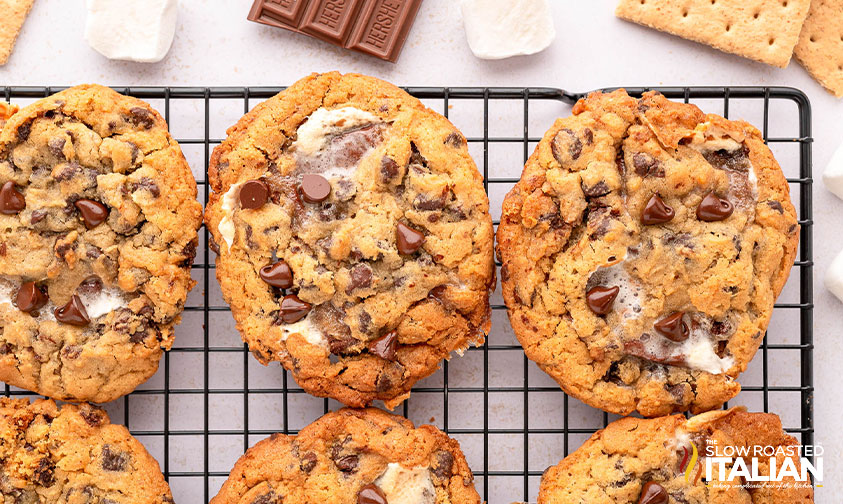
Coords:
834,276
833,174
402,485
132,30
499,29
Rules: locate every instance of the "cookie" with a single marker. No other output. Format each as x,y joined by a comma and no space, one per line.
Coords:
11,21
820,47
354,237
761,30
73,454
663,460
98,220
642,251
353,456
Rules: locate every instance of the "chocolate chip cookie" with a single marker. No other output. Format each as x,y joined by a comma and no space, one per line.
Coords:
98,220
664,460
355,457
354,237
642,251
72,454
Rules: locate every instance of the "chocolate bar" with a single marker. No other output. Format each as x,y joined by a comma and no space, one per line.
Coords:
374,27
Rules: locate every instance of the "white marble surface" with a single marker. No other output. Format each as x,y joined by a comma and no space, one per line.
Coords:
215,45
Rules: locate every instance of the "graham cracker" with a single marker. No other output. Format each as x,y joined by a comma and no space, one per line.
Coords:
12,15
820,47
762,30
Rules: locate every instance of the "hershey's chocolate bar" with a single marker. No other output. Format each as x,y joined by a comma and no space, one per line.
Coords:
375,27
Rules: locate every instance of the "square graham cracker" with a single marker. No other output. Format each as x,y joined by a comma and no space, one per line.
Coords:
12,15
820,47
762,30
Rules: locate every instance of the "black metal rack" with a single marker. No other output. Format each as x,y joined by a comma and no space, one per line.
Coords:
195,475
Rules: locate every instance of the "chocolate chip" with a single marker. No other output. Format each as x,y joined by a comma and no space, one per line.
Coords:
73,312
656,211
597,190
775,205
293,309
347,463
408,239
277,274
44,473
56,146
253,194
308,462
735,160
93,212
30,297
314,188
443,464
384,347
11,200
653,493
574,146
37,216
371,494
67,171
24,130
601,299
141,117
423,202
713,208
454,139
93,416
147,184
647,166
91,286
361,277
673,327
389,169
115,461
71,352
267,498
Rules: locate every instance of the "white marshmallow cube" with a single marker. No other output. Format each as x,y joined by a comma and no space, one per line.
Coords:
132,30
833,174
499,29
834,276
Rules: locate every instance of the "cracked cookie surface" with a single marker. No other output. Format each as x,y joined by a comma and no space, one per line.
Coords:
98,220
645,461
642,252
354,236
353,456
72,454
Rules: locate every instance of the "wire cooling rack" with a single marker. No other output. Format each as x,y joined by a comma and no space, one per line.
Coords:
211,400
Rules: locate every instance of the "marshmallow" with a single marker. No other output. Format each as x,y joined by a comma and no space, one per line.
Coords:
132,30
499,29
833,174
834,276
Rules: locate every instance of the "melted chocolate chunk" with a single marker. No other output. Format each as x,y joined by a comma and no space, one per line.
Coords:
11,200
656,212
647,166
775,205
141,117
597,190
347,463
113,460
293,309
673,327
371,494
93,212
45,472
314,188
277,274
389,169
736,160
454,139
31,297
361,277
712,208
653,493
73,312
384,347
443,464
574,146
253,194
408,239
601,299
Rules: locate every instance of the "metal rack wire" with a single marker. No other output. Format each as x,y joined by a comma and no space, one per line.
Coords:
193,472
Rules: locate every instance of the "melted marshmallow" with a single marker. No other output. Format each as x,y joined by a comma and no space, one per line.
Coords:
401,485
628,301
312,136
229,202
700,354
105,301
307,329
